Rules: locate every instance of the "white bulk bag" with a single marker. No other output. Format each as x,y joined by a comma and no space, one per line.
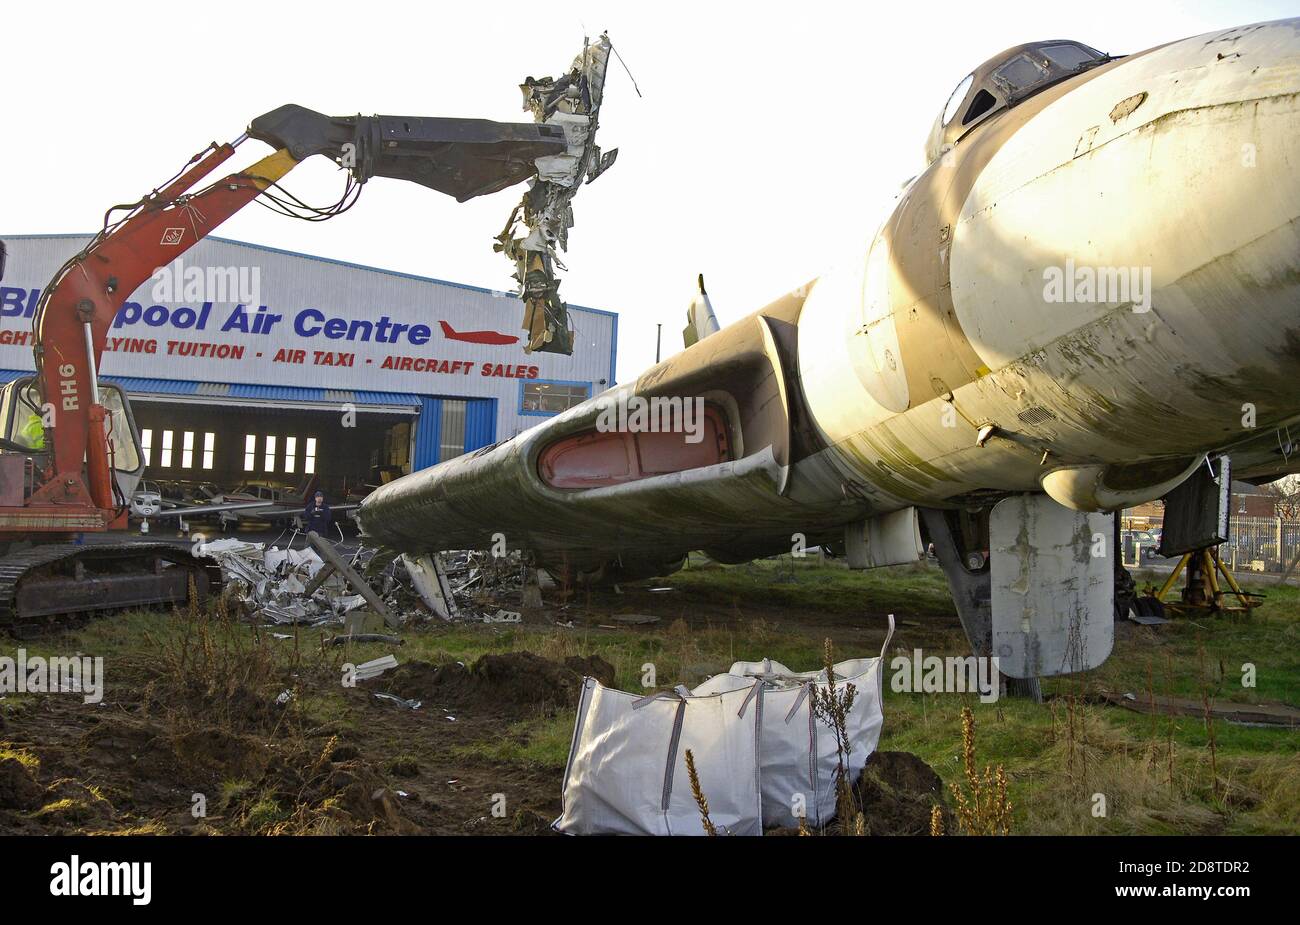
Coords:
626,773
797,754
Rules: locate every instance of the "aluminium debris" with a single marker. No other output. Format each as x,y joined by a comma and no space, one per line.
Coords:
503,616
284,586
374,668
359,584
303,587
572,103
400,701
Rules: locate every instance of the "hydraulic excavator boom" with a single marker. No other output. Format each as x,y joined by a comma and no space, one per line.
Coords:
66,474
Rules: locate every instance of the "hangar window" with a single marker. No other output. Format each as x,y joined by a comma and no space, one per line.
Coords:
250,452
146,445
209,449
269,460
309,456
187,450
451,436
290,454
543,397
166,460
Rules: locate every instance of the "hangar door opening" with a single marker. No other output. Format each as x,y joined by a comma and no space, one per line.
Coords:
199,448
201,439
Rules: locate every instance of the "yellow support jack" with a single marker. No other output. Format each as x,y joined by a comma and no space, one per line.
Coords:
1202,590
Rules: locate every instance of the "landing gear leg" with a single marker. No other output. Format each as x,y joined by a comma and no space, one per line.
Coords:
1125,587
971,590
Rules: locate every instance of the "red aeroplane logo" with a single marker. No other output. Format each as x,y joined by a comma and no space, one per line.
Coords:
476,337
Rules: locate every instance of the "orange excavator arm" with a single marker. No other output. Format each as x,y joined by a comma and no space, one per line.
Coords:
460,157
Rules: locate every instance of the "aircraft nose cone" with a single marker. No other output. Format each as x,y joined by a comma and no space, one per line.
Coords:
1225,255
1138,238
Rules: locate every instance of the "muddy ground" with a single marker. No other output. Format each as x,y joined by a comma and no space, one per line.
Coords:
210,725
190,737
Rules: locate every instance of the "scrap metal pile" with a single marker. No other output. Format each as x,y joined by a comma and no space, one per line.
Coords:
299,587
279,585
572,102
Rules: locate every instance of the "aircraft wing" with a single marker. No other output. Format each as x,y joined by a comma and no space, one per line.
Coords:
198,510
275,511
596,488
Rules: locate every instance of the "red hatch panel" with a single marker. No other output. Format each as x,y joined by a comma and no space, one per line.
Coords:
593,459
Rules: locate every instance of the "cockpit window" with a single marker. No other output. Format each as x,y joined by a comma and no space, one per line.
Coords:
1006,81
1068,57
955,100
983,102
1020,73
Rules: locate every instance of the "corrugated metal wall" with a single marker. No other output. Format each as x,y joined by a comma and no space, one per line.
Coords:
428,432
480,423
480,428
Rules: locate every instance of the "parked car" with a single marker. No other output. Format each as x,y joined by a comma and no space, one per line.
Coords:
1143,543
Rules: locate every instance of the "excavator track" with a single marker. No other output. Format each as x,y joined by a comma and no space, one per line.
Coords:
60,586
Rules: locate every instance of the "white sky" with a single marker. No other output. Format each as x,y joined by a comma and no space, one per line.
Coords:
770,139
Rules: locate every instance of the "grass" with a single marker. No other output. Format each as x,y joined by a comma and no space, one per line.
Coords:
21,755
540,743
808,583
1155,774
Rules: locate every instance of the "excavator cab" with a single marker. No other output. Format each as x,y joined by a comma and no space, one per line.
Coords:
22,431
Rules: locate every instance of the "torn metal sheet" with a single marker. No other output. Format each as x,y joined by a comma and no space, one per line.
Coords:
275,585
503,616
1147,619
359,584
430,581
635,619
349,603
400,701
374,668
572,103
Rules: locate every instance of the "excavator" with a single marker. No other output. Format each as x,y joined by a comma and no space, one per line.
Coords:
69,448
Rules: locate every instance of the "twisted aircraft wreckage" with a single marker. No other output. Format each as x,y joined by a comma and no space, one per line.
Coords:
1088,299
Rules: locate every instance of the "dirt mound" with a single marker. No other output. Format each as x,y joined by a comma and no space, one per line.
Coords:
896,791
222,753
233,705
18,788
514,679
591,667
70,805
333,792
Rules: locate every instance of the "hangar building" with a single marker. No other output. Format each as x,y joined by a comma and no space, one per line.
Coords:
248,365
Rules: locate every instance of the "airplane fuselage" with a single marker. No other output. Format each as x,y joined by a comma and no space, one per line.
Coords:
1083,295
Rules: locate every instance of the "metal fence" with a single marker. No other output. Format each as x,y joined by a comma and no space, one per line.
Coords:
1261,544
